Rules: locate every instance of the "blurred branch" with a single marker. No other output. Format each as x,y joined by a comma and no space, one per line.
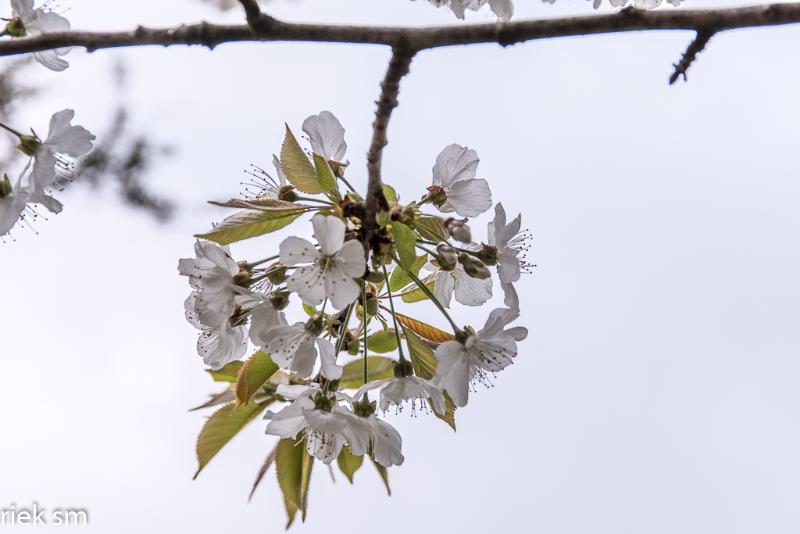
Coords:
266,28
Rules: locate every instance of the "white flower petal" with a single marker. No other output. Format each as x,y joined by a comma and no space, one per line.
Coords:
294,250
468,198
326,135
262,319
329,233
340,288
454,164
351,258
471,291
327,353
308,282
386,443
443,287
452,372
222,345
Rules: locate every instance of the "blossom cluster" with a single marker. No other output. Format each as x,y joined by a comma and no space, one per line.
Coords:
348,281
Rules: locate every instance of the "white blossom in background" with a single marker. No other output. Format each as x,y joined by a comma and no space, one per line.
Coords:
29,21
50,167
329,271
455,187
504,9
326,135
488,351
412,389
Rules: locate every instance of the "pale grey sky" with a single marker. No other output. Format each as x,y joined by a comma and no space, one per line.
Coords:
658,390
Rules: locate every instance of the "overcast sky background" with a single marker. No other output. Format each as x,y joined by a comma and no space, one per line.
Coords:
658,390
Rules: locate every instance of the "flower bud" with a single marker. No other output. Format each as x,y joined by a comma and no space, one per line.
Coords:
287,193
16,28
372,306
375,277
242,278
474,267
447,257
488,254
436,196
352,347
5,187
276,273
279,300
458,229
28,145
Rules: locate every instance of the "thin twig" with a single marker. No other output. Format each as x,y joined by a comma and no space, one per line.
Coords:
390,88
271,29
695,47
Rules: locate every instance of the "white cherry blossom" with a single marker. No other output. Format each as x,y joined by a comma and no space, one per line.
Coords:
454,175
468,291
263,184
16,203
325,425
488,351
510,243
35,21
295,348
396,391
329,271
326,134
386,442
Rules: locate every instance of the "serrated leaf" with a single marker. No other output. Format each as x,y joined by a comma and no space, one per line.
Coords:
324,174
405,240
431,228
293,466
449,415
253,374
378,368
250,223
268,461
422,357
223,397
400,279
390,193
417,295
349,463
431,333
310,310
221,427
297,168
384,473
228,373
383,341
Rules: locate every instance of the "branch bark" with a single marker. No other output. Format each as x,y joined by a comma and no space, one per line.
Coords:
695,47
266,28
390,87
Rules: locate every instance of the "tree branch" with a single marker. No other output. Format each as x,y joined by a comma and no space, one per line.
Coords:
390,88
267,28
695,47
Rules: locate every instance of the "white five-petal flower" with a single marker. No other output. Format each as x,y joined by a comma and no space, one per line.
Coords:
454,175
510,243
37,21
326,134
413,389
329,271
490,350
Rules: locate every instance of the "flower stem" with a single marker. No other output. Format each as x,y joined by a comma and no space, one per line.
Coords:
394,317
430,295
344,180
364,313
265,260
10,129
343,328
309,199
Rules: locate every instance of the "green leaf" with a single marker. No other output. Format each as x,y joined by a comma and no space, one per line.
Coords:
297,168
383,341
349,463
250,223
223,397
324,174
221,427
253,374
422,357
390,193
400,279
378,368
384,473
270,459
405,240
293,466
310,310
416,295
449,415
431,227
228,373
